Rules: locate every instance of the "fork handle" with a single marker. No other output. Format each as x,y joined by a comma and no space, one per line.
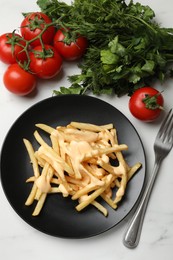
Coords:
133,232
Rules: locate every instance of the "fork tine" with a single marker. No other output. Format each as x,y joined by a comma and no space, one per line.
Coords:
166,127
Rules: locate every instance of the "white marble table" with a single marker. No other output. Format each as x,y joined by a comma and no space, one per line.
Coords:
20,241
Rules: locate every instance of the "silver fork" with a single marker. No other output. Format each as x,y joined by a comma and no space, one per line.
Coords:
162,146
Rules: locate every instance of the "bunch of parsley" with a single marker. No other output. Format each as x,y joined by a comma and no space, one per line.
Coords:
127,48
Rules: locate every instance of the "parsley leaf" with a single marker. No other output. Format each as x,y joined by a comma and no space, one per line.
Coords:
127,48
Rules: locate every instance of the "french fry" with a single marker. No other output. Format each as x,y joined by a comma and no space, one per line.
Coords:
133,170
109,201
121,190
85,190
35,167
33,159
90,127
100,207
52,153
78,163
40,204
55,144
106,151
45,127
94,195
31,196
31,179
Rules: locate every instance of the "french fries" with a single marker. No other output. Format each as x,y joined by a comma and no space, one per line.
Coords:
79,164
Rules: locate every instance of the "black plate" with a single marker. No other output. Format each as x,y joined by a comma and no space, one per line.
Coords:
59,217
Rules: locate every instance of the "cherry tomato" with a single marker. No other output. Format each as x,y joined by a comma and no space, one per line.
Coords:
45,63
146,104
11,48
33,25
70,51
19,81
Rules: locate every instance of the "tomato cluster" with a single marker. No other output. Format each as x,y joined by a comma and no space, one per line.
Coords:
38,52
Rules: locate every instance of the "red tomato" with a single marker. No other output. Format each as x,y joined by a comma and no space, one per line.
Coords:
146,104
45,64
72,51
33,25
11,46
19,81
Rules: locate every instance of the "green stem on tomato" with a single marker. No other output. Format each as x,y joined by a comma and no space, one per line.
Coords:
26,65
151,102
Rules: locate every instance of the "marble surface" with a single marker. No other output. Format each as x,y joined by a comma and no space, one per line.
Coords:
19,240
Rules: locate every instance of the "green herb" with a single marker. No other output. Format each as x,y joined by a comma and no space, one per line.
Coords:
151,102
127,48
